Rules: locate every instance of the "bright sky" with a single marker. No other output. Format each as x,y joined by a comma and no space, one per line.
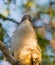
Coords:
42,2
4,63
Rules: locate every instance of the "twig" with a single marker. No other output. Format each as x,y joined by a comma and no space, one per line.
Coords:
5,18
7,54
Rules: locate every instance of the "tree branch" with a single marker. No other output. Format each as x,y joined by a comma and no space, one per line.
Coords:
5,18
8,55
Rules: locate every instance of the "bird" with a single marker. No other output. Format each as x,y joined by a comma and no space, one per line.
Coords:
24,43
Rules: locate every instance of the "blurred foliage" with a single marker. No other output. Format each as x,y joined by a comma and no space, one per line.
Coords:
46,59
1,33
1,56
53,13
41,40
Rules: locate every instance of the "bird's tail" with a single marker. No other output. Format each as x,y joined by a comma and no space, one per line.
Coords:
34,61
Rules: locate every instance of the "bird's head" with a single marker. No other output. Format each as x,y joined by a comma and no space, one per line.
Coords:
26,17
